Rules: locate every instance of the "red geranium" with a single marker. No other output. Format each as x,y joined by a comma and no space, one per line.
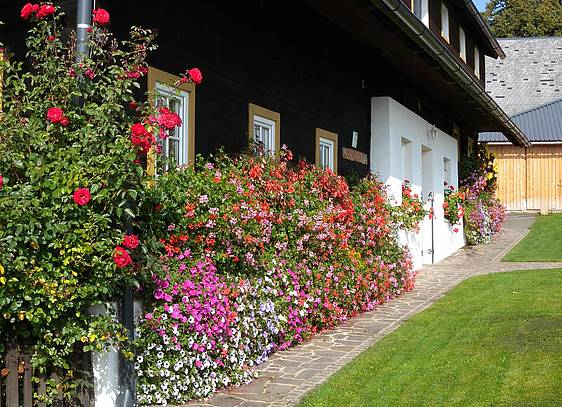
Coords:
121,258
26,11
130,241
81,196
101,16
45,10
168,119
196,76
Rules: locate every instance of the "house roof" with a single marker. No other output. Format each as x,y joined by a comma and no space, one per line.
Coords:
530,75
541,124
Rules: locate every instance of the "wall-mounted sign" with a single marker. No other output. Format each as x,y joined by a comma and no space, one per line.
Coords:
354,155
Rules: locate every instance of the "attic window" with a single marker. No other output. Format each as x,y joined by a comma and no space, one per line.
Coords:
444,22
462,44
476,62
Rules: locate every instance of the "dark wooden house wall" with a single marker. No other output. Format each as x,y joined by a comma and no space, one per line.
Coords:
285,58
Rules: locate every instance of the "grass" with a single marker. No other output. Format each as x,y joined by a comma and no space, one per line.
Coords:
495,340
542,243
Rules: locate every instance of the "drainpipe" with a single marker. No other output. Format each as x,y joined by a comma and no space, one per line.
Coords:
83,23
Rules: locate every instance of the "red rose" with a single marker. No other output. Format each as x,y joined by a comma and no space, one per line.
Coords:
55,114
130,241
101,16
64,121
121,258
35,8
45,10
50,38
138,129
168,119
1,181
26,11
81,196
89,73
196,76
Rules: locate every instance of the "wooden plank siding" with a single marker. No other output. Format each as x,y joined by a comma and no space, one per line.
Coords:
529,179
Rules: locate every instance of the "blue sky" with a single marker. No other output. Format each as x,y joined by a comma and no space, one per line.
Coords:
481,4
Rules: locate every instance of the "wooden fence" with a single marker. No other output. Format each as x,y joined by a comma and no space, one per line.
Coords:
17,388
529,178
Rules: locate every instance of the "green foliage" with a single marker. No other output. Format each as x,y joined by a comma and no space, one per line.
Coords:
56,255
524,18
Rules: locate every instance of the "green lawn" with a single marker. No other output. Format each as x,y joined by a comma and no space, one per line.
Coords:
543,243
495,340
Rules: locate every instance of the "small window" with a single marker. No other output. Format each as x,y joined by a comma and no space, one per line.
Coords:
462,44
444,22
263,129
447,177
420,10
476,62
327,150
179,147
406,146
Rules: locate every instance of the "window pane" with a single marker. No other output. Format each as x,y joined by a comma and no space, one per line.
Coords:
174,151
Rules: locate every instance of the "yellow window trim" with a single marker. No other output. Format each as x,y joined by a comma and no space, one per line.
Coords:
328,135
267,114
158,76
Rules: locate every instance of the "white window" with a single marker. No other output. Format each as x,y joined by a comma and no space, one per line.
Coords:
444,22
174,147
476,62
421,10
327,150
264,133
264,129
326,159
462,44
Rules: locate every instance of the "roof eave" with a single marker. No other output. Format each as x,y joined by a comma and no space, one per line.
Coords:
425,38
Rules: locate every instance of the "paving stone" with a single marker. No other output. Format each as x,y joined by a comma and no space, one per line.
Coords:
292,373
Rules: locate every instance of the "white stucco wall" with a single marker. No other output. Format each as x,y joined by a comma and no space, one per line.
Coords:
390,124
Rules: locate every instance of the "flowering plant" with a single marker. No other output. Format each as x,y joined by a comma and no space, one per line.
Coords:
71,228
260,253
453,205
411,212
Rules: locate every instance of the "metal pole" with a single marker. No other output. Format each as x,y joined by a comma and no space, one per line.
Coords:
83,23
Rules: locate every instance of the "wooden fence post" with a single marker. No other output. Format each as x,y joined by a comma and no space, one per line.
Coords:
12,385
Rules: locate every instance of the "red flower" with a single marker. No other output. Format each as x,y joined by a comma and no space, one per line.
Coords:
138,129
168,119
1,181
45,10
130,241
133,105
195,75
50,38
89,73
101,16
56,115
121,258
81,196
26,11
455,230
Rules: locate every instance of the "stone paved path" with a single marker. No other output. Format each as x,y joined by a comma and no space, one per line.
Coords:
290,374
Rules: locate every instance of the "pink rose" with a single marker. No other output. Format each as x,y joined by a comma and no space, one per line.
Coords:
81,196
101,16
26,11
121,258
196,76
130,241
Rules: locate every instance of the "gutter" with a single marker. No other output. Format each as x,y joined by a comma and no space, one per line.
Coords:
484,28
424,37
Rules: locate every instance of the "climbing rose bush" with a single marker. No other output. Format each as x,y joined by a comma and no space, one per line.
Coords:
260,254
72,186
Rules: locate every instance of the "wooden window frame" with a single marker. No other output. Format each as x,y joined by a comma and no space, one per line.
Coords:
445,12
158,76
327,135
255,110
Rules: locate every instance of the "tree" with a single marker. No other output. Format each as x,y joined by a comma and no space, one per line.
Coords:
524,18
